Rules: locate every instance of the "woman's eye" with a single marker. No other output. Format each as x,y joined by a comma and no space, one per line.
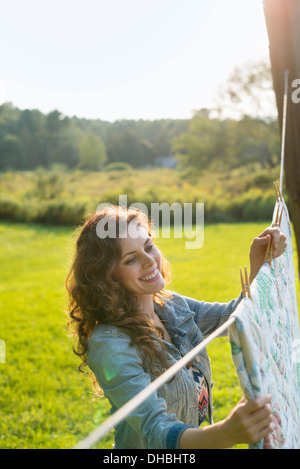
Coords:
132,259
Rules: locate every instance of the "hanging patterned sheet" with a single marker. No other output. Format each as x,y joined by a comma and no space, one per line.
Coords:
265,344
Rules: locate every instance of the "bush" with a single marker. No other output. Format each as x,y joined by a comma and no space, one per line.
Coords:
49,212
9,208
258,206
224,199
61,212
117,166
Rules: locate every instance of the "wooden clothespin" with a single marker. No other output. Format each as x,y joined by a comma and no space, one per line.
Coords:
277,222
246,292
280,216
277,191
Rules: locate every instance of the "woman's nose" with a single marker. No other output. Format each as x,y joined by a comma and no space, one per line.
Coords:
148,260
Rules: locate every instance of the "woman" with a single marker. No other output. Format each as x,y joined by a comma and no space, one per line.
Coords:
130,329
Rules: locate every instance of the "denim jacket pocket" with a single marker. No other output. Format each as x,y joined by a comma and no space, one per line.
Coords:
172,392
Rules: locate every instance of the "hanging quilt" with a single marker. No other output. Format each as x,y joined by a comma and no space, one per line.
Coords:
264,340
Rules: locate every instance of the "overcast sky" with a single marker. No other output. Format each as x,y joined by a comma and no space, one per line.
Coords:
124,59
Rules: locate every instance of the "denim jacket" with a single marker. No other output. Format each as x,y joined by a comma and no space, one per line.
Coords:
119,369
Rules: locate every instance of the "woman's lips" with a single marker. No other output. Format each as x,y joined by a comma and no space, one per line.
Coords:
152,277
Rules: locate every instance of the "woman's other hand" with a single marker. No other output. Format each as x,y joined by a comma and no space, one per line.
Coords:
259,245
249,422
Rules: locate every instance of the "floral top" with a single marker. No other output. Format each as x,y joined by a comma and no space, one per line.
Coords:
203,393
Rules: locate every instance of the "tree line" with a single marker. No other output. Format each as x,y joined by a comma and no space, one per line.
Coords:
30,139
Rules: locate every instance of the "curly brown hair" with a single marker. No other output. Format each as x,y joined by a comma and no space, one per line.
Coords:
95,297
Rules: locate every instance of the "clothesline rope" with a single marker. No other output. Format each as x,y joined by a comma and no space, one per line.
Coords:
284,117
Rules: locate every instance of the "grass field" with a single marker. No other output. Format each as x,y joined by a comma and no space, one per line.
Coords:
44,401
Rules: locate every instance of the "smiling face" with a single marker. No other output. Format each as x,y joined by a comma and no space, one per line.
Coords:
139,269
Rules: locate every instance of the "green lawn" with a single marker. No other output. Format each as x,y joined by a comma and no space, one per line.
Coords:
44,401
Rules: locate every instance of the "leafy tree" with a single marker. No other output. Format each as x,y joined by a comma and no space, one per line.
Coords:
230,142
248,91
31,131
207,141
62,140
11,155
256,140
128,147
249,135
92,152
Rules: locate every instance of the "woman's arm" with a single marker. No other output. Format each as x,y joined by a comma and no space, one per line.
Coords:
249,422
259,246
210,316
120,372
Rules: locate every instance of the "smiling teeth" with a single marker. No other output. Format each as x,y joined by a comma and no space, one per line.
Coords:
149,277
